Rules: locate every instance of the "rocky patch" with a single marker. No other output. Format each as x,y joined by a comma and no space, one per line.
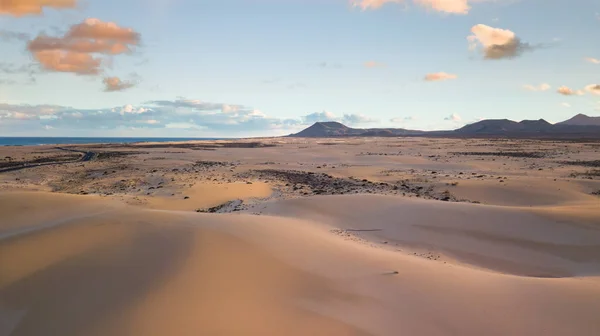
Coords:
226,207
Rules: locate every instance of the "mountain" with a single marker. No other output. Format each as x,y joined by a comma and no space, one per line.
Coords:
578,127
327,129
336,129
581,120
505,126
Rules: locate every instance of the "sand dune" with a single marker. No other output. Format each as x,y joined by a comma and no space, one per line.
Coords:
513,240
207,195
114,247
522,192
130,271
139,272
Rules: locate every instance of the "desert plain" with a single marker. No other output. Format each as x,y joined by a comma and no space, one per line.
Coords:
293,236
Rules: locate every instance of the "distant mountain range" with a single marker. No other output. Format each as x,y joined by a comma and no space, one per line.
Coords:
580,126
582,120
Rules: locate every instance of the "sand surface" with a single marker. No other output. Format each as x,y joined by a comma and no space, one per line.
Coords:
316,237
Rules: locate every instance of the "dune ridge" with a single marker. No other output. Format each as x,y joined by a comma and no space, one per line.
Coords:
135,271
377,236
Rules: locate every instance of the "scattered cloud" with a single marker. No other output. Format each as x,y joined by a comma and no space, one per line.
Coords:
566,91
351,119
27,112
77,51
113,84
592,60
497,43
372,4
32,7
15,69
593,89
183,125
195,104
319,117
445,6
373,64
400,120
541,87
61,61
7,36
567,105
439,76
453,117
179,114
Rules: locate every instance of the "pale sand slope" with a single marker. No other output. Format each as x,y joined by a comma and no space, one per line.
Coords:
514,240
130,271
525,191
206,195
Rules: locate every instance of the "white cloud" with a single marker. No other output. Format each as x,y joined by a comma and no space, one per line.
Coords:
567,105
445,6
566,91
177,114
496,43
453,117
181,113
592,60
541,87
194,104
353,119
230,108
113,84
319,117
131,109
372,4
21,116
182,125
593,89
32,7
85,49
439,76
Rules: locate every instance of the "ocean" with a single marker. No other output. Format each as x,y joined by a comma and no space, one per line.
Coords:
36,141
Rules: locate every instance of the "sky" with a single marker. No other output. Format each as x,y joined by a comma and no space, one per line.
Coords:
237,68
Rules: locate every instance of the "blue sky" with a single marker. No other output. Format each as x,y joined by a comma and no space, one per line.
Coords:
271,67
